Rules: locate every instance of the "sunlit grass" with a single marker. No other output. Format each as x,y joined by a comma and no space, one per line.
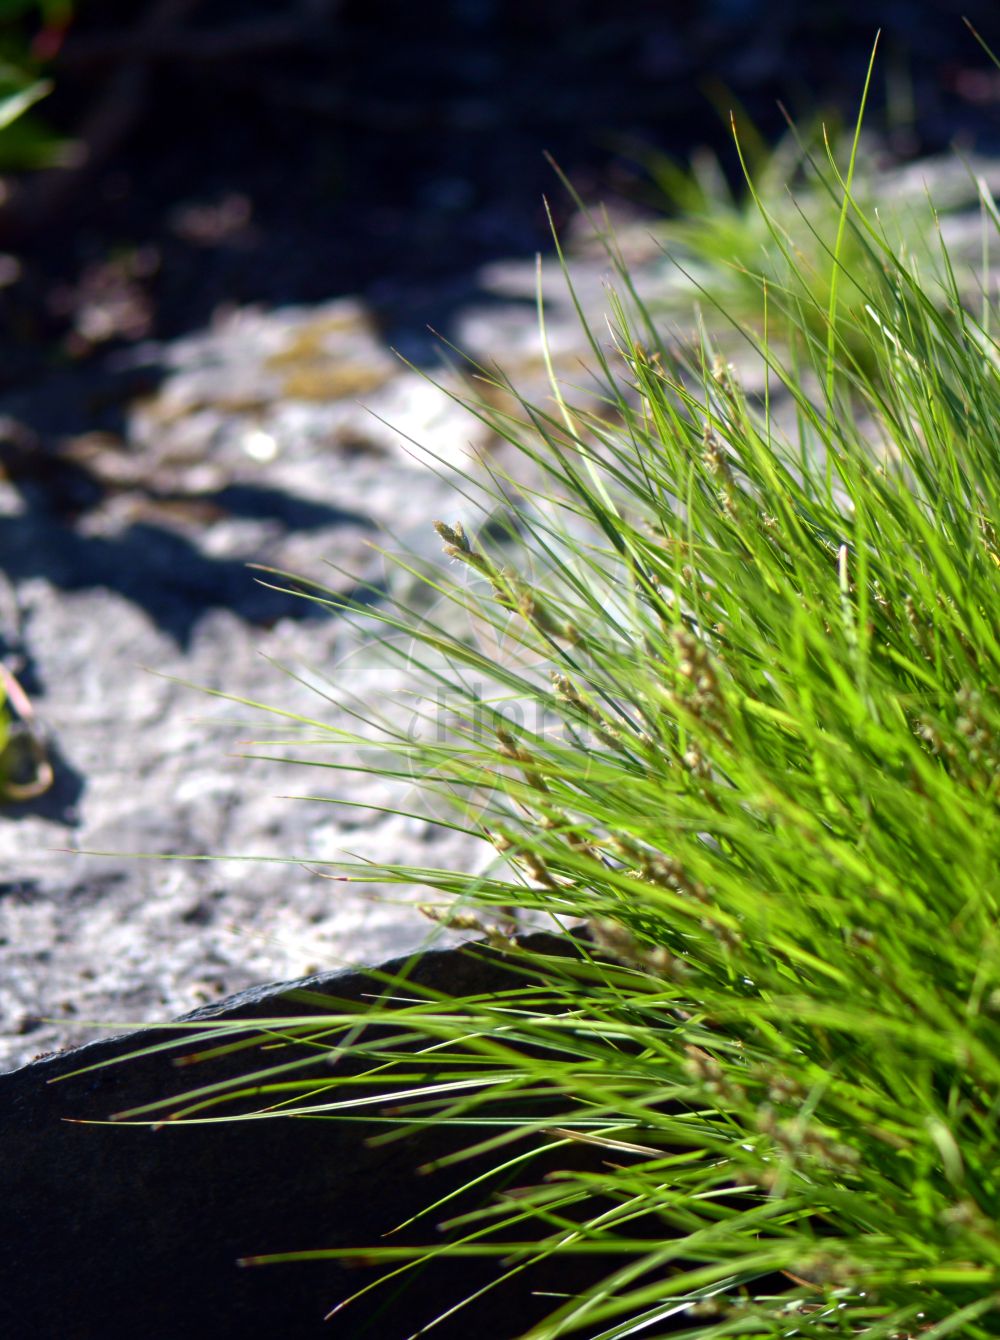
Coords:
751,737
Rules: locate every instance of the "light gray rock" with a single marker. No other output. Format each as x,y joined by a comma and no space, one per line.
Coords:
290,438
293,439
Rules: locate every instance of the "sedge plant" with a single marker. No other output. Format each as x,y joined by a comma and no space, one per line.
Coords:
747,760
780,225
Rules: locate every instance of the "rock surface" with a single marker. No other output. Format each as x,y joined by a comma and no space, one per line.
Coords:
132,500
130,511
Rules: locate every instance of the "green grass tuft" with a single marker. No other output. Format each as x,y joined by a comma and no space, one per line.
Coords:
747,729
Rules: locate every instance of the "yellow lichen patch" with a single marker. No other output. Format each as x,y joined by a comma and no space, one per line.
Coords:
312,339
329,378
314,365
164,410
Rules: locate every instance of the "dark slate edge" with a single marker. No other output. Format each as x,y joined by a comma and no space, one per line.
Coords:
128,1231
439,969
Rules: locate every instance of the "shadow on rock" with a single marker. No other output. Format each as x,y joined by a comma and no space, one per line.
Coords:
252,502
163,573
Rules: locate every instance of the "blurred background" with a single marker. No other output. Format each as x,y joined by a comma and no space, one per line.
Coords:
271,151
